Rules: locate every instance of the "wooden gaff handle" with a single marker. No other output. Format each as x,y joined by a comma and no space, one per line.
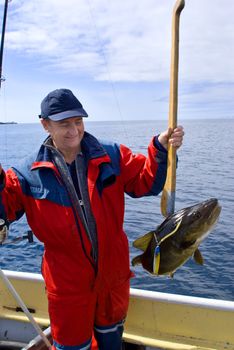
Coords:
168,195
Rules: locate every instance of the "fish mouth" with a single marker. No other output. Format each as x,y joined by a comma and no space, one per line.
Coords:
210,203
212,211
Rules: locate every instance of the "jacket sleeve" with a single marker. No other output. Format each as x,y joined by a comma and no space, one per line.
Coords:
11,198
144,176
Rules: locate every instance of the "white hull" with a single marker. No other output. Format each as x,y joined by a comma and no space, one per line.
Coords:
155,320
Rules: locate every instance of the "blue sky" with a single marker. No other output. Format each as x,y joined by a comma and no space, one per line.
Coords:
115,56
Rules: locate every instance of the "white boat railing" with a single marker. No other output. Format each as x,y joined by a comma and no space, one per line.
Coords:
156,320
208,303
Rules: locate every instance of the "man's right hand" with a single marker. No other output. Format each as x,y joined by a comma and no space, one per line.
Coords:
1,174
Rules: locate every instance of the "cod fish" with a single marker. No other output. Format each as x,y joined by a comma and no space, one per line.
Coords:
177,238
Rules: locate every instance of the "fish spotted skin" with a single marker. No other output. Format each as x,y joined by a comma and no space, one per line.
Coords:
177,238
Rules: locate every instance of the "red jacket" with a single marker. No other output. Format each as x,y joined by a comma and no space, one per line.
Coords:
37,189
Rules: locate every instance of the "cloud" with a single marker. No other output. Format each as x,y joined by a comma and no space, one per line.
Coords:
207,45
207,100
124,40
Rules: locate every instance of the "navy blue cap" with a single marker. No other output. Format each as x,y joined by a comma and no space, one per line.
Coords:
61,104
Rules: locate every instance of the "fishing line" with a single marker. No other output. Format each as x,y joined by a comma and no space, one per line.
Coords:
2,79
111,82
4,131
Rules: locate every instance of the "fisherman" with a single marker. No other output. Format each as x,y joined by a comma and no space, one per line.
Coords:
72,192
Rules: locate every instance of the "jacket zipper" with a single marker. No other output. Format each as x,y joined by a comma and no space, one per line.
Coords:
76,207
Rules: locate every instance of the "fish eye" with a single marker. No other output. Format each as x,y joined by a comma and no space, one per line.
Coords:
197,215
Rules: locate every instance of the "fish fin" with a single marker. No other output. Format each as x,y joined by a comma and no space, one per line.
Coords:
156,260
198,257
136,260
143,242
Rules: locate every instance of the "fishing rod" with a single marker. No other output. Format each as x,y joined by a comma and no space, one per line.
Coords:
8,284
4,235
24,308
2,39
3,226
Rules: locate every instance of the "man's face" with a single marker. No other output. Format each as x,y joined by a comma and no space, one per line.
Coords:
66,134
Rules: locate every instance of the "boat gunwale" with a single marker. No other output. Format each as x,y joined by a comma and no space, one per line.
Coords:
209,303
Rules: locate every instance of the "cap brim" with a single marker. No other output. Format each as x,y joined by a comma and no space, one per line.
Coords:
80,112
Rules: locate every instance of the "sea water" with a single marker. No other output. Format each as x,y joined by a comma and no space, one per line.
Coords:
205,170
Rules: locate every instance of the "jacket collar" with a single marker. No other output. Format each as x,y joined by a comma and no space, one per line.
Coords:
90,146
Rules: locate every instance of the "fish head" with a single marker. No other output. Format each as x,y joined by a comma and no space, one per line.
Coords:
197,221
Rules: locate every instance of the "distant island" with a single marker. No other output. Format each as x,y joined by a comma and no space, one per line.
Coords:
8,122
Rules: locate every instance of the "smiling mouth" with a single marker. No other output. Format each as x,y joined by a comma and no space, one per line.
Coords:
72,137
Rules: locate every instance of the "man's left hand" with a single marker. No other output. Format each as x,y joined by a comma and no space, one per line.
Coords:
172,137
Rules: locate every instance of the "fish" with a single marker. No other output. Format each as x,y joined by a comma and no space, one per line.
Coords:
3,231
177,238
